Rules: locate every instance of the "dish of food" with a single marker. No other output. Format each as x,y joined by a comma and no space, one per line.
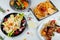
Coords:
19,4
44,9
13,24
48,30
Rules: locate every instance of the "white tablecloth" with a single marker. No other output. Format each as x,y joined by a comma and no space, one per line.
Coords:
32,30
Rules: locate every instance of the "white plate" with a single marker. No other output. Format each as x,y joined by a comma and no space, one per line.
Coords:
56,35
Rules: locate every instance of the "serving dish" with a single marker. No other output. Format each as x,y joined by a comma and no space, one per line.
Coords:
48,29
20,5
13,24
44,9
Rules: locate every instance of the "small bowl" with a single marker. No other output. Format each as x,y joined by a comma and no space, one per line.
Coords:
26,9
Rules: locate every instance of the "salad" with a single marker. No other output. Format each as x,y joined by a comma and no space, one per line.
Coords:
19,4
14,24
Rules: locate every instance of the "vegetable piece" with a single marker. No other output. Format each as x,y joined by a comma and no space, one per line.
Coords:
5,19
43,33
17,7
15,29
17,32
21,16
22,5
25,4
18,3
10,34
23,21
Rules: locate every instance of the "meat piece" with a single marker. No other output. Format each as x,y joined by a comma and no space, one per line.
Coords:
48,38
50,31
52,22
58,30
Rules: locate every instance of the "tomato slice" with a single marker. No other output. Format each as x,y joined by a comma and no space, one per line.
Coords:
5,19
16,32
23,21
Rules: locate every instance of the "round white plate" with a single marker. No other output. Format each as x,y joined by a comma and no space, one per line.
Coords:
56,35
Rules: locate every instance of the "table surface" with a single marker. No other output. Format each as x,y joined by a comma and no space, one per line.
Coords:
32,28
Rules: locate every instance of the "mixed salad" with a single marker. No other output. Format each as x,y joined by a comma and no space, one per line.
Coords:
12,25
19,4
